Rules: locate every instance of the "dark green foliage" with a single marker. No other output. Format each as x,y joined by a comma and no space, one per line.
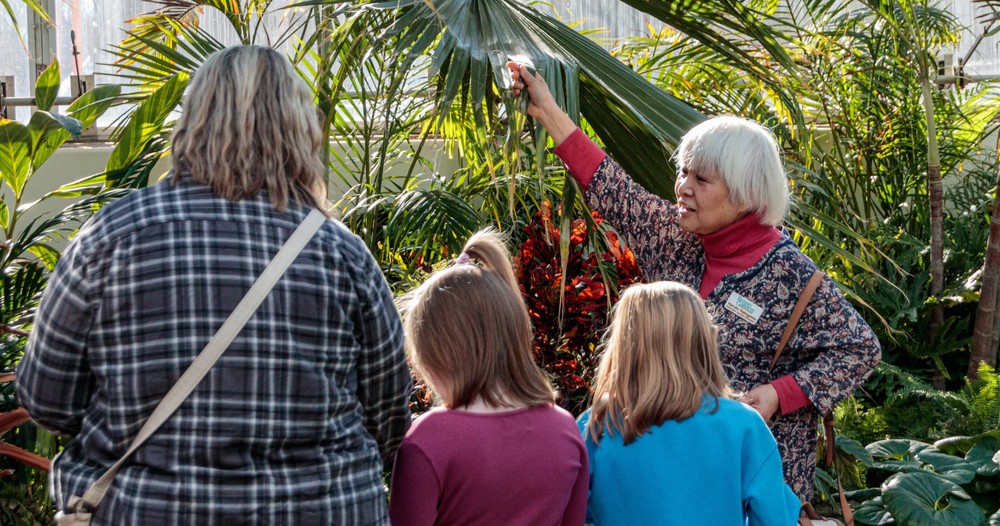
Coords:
913,408
955,481
907,480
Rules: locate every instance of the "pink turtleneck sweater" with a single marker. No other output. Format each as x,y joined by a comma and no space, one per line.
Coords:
731,250
734,249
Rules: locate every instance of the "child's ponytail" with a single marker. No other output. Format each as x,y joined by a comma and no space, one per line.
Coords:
487,248
467,327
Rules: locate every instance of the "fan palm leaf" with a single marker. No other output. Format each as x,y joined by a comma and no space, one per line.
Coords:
638,123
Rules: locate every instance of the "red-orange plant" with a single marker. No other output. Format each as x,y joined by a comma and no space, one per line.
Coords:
569,352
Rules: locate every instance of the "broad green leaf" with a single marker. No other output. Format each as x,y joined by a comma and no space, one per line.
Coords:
953,468
985,457
93,104
147,121
896,454
73,126
961,444
47,135
88,185
896,448
873,512
15,154
47,86
860,495
925,499
4,214
855,449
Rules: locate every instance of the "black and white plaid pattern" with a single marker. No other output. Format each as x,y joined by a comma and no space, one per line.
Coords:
288,425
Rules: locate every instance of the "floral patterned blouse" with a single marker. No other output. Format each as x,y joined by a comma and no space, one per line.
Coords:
830,353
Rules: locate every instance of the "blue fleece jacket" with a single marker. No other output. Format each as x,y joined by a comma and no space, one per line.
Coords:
715,468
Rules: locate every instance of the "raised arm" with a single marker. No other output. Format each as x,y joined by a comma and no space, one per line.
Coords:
541,105
646,221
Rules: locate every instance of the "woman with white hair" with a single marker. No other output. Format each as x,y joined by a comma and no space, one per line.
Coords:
723,238
293,423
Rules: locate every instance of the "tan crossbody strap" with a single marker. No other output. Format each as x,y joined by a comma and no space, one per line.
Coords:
793,320
211,353
831,450
831,445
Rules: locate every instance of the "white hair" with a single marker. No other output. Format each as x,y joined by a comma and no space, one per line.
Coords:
745,155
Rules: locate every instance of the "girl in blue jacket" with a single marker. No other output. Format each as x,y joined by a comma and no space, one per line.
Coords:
667,443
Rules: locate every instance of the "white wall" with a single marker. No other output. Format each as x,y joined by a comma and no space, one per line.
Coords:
77,160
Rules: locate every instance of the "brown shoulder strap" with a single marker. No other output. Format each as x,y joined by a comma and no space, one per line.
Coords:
804,297
793,320
831,456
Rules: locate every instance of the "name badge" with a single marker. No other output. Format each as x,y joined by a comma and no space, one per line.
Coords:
744,308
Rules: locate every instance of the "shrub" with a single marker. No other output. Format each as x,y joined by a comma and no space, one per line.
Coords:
568,327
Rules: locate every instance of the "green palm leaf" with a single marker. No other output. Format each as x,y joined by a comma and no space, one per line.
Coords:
637,122
34,5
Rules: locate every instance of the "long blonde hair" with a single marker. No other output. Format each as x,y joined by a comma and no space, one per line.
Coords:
660,358
467,325
249,124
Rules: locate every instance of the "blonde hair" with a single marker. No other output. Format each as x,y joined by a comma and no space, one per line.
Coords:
249,124
467,325
745,155
660,359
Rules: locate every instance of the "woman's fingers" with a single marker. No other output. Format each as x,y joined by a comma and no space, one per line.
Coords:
518,77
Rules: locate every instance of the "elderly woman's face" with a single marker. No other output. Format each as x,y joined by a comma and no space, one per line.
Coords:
703,202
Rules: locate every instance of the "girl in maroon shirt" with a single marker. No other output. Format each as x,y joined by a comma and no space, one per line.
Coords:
497,451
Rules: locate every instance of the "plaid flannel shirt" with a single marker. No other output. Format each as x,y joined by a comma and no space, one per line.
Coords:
286,428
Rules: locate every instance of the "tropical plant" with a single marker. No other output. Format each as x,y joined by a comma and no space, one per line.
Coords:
914,409
873,172
955,481
409,215
34,5
28,255
925,29
861,208
637,122
986,336
570,313
841,88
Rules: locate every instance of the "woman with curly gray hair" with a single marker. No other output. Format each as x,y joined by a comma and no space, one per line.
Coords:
294,422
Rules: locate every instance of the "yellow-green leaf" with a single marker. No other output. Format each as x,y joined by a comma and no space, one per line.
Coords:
147,121
4,214
47,86
15,154
93,104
